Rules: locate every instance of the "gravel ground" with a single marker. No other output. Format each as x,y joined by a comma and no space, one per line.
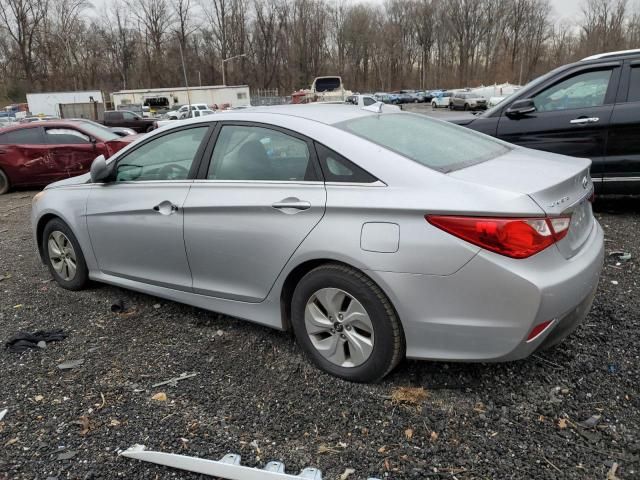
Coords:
255,394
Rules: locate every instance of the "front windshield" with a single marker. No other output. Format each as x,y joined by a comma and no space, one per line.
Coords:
536,81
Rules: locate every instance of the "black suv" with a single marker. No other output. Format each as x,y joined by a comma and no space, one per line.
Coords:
588,109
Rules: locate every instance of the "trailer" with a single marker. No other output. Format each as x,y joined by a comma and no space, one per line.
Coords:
158,99
55,103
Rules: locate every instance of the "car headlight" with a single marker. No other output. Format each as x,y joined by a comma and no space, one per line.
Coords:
37,197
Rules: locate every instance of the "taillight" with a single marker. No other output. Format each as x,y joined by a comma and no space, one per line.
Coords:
512,237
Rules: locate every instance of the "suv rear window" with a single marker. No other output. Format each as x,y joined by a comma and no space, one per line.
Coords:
435,144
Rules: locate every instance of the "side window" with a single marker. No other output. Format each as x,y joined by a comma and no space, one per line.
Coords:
580,91
368,101
168,157
634,85
336,168
114,116
128,115
24,136
65,136
257,153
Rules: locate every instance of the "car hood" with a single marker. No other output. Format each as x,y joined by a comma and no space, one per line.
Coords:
79,180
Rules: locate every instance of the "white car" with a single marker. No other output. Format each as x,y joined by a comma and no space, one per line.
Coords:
185,115
177,114
365,101
441,100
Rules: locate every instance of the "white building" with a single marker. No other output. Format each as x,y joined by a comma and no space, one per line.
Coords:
49,103
157,98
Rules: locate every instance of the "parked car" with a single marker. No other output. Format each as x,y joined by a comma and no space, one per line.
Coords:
185,116
35,154
126,119
361,100
466,248
37,118
467,101
493,101
177,114
588,109
441,100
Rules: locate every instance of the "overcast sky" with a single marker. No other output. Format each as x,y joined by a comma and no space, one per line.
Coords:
564,9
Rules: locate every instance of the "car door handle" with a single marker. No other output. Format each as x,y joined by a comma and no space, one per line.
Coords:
584,120
292,203
166,208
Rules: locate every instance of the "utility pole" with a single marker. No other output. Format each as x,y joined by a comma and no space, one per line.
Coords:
224,78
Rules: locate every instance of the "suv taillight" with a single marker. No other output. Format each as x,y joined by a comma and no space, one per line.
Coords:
512,237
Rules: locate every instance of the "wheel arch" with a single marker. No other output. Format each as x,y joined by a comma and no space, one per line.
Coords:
296,274
42,222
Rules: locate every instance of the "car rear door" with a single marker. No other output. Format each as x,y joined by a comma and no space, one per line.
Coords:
136,221
71,150
572,115
622,165
258,195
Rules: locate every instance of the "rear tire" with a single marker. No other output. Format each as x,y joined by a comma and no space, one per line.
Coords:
346,325
4,183
64,256
434,105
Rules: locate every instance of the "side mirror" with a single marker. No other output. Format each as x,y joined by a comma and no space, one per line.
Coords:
100,171
520,108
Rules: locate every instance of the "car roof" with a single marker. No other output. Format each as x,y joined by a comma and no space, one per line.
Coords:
329,114
48,123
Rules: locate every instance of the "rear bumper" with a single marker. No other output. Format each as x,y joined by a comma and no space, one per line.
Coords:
486,310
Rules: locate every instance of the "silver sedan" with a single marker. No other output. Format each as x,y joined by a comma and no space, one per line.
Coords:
349,226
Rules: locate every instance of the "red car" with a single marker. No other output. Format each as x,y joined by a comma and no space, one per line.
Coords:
36,154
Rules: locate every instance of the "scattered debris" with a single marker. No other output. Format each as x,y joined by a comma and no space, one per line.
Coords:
41,344
409,395
408,433
160,397
114,422
38,398
434,436
613,368
68,455
621,256
227,467
11,441
346,473
174,381
562,423
614,282
157,306
611,474
85,425
591,422
23,340
5,277
120,308
71,364
3,413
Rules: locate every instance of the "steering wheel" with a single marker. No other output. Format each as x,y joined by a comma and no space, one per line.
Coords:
173,171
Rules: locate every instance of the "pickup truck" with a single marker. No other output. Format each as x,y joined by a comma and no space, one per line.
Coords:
588,109
125,118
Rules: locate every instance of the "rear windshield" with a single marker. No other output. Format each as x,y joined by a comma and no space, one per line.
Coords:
439,145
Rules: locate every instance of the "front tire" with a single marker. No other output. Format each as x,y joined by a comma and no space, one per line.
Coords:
64,256
4,183
346,324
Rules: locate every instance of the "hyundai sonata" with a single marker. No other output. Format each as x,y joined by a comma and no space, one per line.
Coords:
349,226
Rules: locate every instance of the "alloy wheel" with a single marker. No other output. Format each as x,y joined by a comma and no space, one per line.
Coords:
339,327
62,255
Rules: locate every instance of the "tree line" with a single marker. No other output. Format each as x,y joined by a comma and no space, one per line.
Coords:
56,45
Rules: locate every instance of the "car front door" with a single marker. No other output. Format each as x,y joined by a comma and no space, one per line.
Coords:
259,197
133,121
25,157
136,221
71,150
622,165
571,116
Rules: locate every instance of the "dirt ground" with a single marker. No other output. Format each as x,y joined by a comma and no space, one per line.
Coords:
255,394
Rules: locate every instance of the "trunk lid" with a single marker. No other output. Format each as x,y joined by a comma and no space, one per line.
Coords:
560,185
